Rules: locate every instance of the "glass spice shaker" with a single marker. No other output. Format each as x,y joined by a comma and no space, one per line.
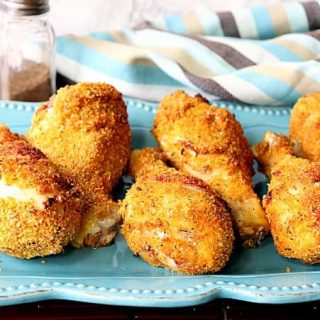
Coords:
27,51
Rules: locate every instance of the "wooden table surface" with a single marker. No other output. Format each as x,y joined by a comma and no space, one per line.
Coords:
219,309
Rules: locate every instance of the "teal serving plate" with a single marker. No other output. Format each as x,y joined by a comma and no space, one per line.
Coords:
112,275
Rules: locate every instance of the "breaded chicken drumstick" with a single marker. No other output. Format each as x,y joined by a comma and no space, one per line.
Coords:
208,143
304,129
84,130
292,203
40,209
173,220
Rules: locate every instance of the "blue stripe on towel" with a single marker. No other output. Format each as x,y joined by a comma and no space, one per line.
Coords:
210,23
263,22
174,23
272,87
101,36
280,52
132,73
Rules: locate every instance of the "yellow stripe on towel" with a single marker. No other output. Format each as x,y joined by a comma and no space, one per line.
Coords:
192,23
279,18
185,60
293,46
118,51
293,78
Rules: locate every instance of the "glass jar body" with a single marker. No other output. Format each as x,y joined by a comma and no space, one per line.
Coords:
27,57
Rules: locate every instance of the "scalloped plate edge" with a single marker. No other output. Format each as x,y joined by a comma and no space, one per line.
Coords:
203,289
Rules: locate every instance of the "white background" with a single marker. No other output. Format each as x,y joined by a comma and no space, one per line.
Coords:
84,16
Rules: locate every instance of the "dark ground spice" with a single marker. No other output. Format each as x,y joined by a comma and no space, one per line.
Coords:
30,84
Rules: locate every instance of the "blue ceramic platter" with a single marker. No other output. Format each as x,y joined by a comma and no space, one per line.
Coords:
112,275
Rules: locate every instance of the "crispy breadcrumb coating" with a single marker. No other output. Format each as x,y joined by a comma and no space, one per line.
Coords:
208,142
304,128
271,150
147,161
84,130
40,209
174,220
292,203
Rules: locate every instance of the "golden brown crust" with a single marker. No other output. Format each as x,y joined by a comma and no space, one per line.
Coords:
292,203
27,231
146,160
174,220
304,128
7,136
271,150
84,130
181,117
293,206
208,142
27,167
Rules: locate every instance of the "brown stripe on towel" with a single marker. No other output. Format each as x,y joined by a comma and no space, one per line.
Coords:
209,85
315,34
143,25
227,53
312,10
228,24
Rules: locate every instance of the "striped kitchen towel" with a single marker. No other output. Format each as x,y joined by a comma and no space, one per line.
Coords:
265,54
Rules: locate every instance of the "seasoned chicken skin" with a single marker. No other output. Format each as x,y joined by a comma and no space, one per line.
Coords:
304,129
40,209
84,130
174,220
292,203
208,143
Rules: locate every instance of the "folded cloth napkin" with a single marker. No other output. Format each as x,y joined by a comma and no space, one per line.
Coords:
265,54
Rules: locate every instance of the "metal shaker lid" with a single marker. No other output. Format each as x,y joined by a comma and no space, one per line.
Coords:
24,7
